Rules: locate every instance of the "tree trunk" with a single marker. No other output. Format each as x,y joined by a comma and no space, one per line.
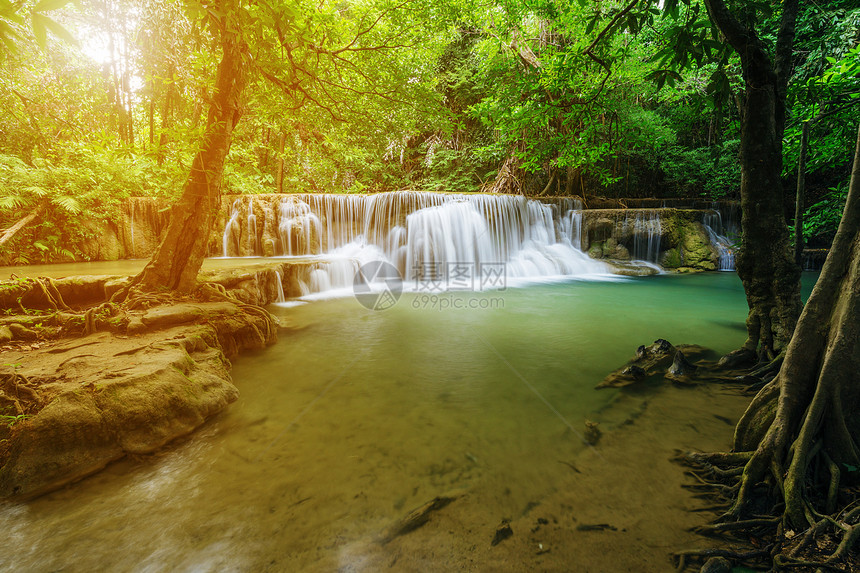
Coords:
178,257
166,115
279,180
764,261
816,393
800,198
7,234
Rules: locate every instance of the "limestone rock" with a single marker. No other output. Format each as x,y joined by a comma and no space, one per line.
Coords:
21,332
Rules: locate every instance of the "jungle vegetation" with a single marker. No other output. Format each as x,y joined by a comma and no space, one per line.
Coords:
692,98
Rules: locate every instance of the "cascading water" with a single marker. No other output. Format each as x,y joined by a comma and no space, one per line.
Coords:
647,234
713,223
280,286
420,233
131,209
230,229
252,227
570,227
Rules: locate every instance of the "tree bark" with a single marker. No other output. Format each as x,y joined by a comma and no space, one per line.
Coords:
279,180
818,400
7,234
179,256
800,198
764,260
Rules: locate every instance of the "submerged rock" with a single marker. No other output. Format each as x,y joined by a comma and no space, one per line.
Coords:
592,433
658,360
681,369
503,531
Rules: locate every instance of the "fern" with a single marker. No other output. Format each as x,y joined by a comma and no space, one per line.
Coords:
70,204
36,190
10,202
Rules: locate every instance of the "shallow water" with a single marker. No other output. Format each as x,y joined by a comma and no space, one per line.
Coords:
356,417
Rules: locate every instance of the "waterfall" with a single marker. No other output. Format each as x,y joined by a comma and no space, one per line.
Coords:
280,285
131,208
713,222
647,234
571,223
229,228
252,228
421,234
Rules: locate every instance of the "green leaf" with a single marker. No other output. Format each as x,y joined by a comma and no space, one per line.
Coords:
40,29
60,32
70,204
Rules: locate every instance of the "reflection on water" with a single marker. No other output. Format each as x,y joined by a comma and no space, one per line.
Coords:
356,417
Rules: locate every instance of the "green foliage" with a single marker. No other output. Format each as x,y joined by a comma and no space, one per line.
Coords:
712,172
77,188
822,219
11,420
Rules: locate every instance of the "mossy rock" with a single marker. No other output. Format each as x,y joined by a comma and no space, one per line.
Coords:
671,259
596,251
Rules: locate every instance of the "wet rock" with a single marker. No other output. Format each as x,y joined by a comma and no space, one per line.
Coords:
681,370
5,334
503,531
592,432
657,360
632,268
164,316
111,396
717,565
738,359
21,332
624,377
136,396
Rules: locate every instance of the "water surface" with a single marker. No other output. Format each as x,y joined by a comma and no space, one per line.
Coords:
356,417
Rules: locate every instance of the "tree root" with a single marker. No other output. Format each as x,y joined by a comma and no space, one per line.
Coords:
747,557
785,562
734,526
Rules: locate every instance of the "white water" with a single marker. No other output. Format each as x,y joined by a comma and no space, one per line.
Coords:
131,208
647,233
229,228
717,231
445,238
280,285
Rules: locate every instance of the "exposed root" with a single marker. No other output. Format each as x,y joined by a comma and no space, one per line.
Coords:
747,525
748,558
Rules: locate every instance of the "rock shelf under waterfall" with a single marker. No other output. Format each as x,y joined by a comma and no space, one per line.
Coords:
421,232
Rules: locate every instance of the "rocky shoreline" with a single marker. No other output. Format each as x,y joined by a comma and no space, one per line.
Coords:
86,383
